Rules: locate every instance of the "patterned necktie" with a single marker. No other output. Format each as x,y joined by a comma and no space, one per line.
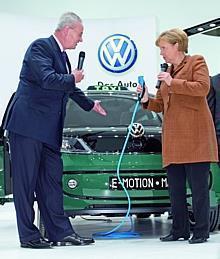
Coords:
64,55
66,61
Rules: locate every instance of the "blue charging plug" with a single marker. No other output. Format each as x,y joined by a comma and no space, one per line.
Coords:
142,83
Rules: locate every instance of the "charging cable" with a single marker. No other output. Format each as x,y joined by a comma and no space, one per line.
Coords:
129,233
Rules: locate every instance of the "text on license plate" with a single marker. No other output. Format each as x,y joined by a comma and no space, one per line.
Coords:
139,183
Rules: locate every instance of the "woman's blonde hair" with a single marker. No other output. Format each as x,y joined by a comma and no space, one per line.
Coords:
174,36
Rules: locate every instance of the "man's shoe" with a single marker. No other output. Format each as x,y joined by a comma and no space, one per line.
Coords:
36,244
87,240
172,237
197,240
73,239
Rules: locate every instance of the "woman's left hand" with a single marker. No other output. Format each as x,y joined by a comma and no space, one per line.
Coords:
166,77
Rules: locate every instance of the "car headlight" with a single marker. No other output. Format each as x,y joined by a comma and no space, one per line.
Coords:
65,144
74,145
69,145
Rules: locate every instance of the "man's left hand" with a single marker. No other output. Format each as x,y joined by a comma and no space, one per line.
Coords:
98,108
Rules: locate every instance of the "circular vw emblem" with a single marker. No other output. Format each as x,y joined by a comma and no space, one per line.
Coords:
136,130
117,53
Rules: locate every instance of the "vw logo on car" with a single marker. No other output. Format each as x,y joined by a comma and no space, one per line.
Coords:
117,53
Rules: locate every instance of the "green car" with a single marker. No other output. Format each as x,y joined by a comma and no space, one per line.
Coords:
91,149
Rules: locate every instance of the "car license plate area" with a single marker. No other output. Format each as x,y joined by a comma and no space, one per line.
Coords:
139,183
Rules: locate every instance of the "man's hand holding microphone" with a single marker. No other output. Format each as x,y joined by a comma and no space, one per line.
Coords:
78,75
79,72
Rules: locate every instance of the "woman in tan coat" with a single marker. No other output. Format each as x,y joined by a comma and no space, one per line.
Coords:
188,135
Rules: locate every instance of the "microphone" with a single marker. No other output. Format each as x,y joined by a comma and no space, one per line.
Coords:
81,60
163,68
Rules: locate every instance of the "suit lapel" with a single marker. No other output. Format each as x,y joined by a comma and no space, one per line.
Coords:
179,67
58,55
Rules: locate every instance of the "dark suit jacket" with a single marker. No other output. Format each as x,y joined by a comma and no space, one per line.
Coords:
39,105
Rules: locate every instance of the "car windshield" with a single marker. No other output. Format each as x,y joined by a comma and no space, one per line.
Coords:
119,113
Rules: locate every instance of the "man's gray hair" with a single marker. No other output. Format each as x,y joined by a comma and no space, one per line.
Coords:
68,19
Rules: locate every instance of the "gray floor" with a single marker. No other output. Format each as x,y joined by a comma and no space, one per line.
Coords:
146,246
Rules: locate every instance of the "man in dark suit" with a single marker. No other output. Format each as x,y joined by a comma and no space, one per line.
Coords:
35,124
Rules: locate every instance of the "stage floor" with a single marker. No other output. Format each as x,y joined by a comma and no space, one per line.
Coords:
145,246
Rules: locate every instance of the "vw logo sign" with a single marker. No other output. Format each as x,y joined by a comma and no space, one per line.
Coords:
117,53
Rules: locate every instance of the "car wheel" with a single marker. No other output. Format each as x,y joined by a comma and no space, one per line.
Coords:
214,219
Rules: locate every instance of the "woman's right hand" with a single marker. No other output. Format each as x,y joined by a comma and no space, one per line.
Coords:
145,98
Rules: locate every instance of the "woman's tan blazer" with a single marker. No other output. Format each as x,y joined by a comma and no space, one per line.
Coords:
188,133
